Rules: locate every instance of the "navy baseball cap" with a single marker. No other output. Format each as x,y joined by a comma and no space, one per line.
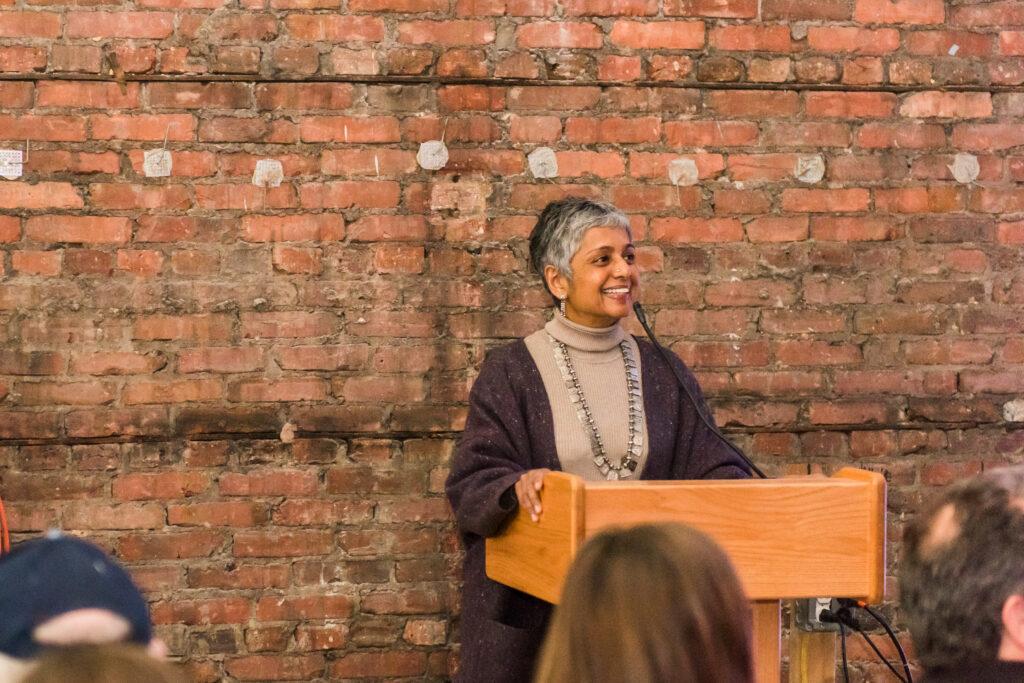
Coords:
46,577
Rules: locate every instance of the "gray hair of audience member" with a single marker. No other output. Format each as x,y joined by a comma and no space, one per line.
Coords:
560,228
962,558
113,663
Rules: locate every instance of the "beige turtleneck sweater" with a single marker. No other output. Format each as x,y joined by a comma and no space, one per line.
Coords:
601,370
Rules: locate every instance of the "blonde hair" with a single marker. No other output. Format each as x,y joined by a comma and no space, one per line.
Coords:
113,663
650,604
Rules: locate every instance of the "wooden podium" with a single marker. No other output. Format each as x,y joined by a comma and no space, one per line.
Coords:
797,537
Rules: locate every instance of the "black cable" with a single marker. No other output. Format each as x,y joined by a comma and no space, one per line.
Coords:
842,641
638,309
895,641
881,657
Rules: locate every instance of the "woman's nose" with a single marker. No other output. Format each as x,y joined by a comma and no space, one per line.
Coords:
621,267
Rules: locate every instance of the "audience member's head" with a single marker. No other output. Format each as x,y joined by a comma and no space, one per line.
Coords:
57,591
116,663
650,604
962,573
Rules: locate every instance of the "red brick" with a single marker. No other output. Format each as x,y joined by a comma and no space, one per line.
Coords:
140,262
282,543
947,105
750,293
182,391
297,228
900,12
825,201
287,325
307,261
87,95
449,33
230,610
346,194
686,230
230,514
393,664
739,9
1011,43
303,96
284,668
1005,382
987,136
850,104
620,69
880,135
898,320
323,513
753,38
30,24
47,263
368,162
853,39
334,27
938,43
840,229
198,327
613,130
1011,232
810,134
667,35
116,363
319,606
279,483
66,393
331,637
919,200
348,357
550,34
710,133
565,98
144,486
19,195
998,201
611,8
51,128
777,229
137,25
177,127
753,103
199,95
452,98
989,14
169,546
350,129
22,59
282,390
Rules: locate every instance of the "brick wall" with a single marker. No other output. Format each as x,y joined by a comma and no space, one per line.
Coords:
251,395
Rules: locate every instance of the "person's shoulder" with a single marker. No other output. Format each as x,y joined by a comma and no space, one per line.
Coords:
512,352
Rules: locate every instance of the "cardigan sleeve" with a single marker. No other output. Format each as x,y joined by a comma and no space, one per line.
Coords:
492,454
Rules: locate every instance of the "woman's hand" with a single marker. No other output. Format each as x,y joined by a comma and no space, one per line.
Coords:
528,491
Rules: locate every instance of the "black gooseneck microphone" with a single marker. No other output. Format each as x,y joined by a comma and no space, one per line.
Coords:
638,309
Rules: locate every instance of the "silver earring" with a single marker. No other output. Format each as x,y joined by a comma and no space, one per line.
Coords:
561,306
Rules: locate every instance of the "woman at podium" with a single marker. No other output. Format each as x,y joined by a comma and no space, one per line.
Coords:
580,395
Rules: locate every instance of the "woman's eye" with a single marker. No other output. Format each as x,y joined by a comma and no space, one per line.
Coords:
630,258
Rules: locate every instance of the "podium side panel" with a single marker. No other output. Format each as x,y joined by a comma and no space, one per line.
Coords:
534,557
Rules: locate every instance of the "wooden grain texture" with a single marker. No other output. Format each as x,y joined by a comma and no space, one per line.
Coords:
535,556
788,538
812,656
767,634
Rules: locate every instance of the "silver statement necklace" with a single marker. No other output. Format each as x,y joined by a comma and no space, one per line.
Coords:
634,447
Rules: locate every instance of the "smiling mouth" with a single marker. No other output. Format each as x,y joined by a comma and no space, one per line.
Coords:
616,290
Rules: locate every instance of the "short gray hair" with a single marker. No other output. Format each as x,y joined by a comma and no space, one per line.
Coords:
560,229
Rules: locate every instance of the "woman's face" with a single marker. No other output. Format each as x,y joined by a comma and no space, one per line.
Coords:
605,280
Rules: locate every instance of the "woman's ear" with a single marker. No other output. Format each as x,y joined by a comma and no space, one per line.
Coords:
1012,645
557,284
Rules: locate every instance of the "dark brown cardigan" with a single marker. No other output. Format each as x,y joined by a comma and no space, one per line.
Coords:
509,430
